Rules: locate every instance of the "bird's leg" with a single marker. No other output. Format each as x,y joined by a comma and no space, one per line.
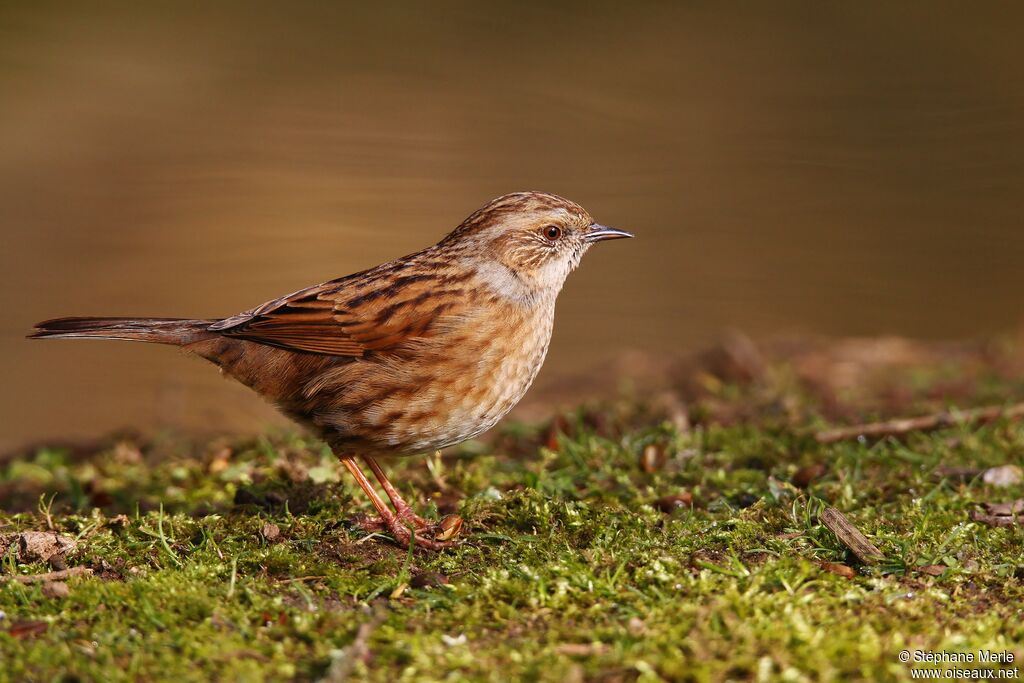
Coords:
445,530
404,510
403,535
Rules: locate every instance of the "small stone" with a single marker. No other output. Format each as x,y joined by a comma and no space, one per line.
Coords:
271,532
1006,475
636,626
56,589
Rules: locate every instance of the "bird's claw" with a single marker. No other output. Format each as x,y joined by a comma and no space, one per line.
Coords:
430,535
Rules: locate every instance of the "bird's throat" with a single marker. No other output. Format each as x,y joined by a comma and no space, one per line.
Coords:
509,284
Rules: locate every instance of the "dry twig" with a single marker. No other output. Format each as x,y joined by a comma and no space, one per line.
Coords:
49,576
925,423
850,536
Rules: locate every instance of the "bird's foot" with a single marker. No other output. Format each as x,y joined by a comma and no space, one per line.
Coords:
430,535
411,519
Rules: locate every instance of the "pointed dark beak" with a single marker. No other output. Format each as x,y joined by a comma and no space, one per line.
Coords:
597,233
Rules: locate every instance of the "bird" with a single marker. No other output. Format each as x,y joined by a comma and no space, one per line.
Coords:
409,357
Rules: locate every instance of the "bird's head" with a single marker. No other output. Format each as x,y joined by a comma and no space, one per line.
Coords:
529,241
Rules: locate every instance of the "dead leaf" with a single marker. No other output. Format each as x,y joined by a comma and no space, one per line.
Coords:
806,475
35,546
27,629
268,619
1014,507
839,569
993,518
652,458
119,521
932,569
669,504
450,527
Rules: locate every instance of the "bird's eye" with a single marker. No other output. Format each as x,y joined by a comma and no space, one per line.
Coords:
552,232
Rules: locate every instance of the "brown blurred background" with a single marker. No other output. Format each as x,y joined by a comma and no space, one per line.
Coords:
853,168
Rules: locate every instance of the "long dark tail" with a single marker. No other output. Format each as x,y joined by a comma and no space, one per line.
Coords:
176,331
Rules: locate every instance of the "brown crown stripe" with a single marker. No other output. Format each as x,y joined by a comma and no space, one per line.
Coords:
513,203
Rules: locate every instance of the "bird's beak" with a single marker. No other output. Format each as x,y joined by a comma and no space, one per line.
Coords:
597,232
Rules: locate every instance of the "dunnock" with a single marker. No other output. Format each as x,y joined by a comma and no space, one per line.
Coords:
411,356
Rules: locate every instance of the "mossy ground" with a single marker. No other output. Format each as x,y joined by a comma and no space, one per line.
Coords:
570,570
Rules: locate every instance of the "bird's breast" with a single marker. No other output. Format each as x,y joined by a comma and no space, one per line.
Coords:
456,386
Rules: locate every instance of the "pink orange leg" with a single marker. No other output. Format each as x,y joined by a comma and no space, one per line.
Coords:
391,521
404,510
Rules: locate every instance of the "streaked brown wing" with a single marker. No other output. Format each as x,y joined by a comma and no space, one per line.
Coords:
331,319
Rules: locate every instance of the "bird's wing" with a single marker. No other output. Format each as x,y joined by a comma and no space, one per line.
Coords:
342,318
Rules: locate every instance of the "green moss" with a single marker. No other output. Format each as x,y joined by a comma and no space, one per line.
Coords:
570,572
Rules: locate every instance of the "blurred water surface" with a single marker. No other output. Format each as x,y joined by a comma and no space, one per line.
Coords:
839,168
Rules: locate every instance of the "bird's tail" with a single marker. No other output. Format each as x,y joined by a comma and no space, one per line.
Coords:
175,331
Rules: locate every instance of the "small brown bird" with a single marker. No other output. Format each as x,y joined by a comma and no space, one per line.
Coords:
411,356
